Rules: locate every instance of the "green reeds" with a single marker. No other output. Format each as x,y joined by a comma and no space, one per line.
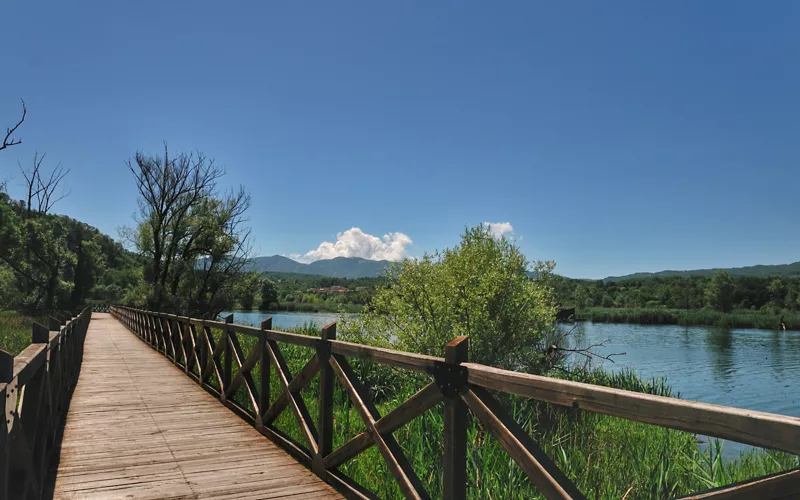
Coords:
607,457
15,331
690,317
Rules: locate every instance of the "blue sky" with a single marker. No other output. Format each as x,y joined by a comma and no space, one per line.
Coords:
613,137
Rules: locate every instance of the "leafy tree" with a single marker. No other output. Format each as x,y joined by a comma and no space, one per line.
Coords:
36,248
719,292
247,287
193,239
479,288
777,292
269,294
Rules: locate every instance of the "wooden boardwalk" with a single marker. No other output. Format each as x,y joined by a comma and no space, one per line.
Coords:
137,427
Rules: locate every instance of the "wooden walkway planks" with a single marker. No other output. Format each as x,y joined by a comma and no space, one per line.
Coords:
137,427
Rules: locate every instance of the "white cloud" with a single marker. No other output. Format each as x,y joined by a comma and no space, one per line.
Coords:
356,243
500,229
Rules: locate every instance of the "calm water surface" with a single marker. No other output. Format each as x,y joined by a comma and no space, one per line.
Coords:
753,369
284,320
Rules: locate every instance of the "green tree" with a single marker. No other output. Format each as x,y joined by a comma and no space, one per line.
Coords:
481,289
719,291
35,247
269,294
192,238
777,292
247,287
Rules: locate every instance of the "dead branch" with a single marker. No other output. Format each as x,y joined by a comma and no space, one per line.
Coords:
41,189
8,141
587,351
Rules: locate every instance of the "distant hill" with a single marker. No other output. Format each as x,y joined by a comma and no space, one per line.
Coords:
749,271
340,267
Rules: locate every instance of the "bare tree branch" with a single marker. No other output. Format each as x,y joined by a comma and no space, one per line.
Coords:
41,190
47,189
183,223
8,141
587,351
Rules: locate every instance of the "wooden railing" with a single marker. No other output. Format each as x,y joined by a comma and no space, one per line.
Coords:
464,387
35,387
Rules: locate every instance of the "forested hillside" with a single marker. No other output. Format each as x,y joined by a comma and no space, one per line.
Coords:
722,292
50,262
759,271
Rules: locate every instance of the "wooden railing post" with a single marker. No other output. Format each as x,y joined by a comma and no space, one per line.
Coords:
227,361
56,368
325,413
456,419
8,404
264,366
202,337
36,410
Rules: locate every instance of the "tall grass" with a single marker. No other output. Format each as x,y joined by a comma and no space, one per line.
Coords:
690,317
606,457
15,331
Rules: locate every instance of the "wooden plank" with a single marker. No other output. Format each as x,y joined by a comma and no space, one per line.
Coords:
264,367
139,427
766,430
28,362
243,373
295,401
526,453
325,402
783,485
456,419
398,359
391,452
416,405
292,338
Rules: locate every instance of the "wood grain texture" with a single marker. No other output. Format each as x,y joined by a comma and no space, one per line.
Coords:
398,359
784,486
766,430
137,427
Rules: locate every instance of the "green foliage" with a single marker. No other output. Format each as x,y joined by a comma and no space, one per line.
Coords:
703,298
247,286
481,289
50,262
719,292
191,237
694,317
15,331
269,294
782,270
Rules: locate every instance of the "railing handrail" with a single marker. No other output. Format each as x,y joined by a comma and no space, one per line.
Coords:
464,384
35,386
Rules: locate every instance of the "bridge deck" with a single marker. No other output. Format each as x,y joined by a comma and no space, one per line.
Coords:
137,427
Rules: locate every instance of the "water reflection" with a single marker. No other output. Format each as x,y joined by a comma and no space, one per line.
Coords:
719,343
754,369
776,346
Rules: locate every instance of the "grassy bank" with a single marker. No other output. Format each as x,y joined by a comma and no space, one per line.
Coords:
607,457
15,331
691,317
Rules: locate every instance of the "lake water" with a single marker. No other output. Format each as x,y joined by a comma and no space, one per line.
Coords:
282,321
753,369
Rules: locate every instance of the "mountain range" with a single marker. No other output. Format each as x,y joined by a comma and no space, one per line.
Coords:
747,271
356,267
340,267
